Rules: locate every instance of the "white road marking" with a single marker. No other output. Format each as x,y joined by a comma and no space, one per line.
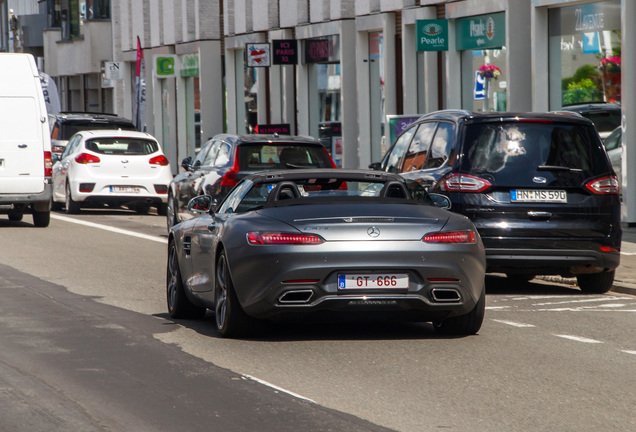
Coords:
514,324
589,300
630,352
275,387
111,229
579,339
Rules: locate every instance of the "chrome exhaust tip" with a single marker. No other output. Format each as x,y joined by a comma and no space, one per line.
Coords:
445,295
296,296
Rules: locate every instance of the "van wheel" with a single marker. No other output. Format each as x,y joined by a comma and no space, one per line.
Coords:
596,283
41,219
72,207
464,325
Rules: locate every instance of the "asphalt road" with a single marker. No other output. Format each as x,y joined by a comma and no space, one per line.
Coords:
87,345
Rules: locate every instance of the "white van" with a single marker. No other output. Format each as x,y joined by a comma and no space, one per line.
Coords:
25,143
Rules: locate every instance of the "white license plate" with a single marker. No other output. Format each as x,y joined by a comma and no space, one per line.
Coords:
551,196
125,189
373,281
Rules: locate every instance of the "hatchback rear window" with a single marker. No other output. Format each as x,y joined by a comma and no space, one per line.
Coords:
511,150
68,128
121,146
268,156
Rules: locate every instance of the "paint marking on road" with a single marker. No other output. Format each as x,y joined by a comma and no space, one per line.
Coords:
275,387
514,324
629,352
111,229
579,339
598,299
628,253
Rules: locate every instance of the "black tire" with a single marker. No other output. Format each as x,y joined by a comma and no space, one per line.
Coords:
231,320
596,283
15,217
72,207
464,325
171,213
41,219
179,306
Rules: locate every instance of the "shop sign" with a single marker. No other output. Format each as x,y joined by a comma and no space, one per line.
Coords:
398,124
479,92
258,55
324,50
190,65
283,128
113,71
481,32
285,51
165,65
585,18
432,35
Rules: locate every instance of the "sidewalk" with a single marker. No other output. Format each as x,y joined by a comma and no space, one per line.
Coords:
625,280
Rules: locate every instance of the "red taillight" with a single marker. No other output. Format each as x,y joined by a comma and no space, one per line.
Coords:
86,158
464,183
607,185
333,163
159,160
48,164
451,237
610,249
257,238
229,178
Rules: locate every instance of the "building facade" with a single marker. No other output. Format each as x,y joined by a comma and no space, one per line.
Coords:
351,72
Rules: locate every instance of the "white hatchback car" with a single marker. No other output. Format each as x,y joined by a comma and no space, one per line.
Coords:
112,167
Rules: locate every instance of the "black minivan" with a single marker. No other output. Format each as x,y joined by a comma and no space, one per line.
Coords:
539,187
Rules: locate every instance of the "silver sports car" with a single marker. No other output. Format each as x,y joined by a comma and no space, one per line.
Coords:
340,243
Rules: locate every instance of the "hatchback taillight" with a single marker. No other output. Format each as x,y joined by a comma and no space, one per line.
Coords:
256,238
464,183
451,237
86,158
48,164
159,160
607,185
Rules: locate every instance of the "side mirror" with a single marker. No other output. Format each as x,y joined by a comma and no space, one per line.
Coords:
441,201
200,204
55,157
186,163
376,166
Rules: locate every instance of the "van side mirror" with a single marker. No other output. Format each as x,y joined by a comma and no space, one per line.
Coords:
186,163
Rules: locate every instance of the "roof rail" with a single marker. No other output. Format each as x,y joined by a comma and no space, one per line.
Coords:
450,111
572,113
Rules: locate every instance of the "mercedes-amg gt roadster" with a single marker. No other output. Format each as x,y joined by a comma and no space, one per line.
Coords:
350,244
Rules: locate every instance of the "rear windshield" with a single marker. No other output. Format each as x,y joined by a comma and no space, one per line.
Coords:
268,156
122,146
68,129
605,121
514,152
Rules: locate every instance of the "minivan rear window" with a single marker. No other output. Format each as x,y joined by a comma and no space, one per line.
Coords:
268,156
70,128
510,151
121,146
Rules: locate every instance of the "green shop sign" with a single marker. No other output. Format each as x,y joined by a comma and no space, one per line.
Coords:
190,65
432,35
480,32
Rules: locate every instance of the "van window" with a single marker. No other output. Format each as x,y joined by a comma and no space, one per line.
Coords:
517,151
441,147
415,158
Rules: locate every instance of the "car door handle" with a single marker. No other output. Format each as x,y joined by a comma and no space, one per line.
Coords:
211,227
539,215
22,146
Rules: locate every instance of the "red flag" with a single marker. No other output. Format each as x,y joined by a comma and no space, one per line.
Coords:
139,103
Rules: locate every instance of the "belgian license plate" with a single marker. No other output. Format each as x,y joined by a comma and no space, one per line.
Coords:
373,281
125,189
550,196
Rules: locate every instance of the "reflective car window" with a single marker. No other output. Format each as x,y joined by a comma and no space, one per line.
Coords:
200,157
514,152
208,160
614,140
415,158
263,156
231,202
121,146
394,160
441,147
223,156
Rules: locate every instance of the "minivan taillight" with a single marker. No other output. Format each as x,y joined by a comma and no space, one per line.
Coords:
333,163
86,158
229,178
464,183
159,160
48,164
607,185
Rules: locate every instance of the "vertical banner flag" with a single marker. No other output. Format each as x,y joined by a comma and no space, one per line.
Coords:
139,103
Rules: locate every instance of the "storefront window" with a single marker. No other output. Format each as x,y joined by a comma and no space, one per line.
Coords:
71,17
585,53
